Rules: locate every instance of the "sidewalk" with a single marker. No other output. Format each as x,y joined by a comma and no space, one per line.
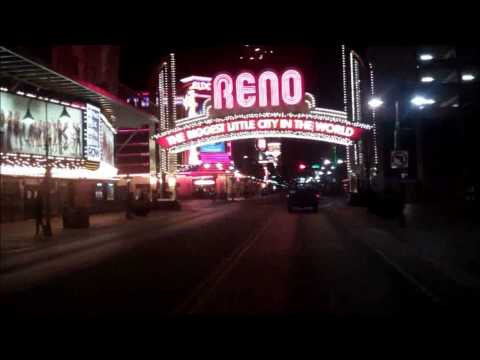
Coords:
444,236
19,237
441,235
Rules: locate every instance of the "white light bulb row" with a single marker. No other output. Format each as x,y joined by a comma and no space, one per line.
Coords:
347,153
312,99
256,134
202,122
55,101
374,122
173,85
344,78
352,88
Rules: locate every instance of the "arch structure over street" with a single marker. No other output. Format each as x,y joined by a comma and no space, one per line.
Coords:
315,123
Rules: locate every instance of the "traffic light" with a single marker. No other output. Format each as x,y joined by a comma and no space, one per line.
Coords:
302,166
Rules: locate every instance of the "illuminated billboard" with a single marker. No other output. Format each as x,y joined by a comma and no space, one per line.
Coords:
106,142
92,148
218,147
26,123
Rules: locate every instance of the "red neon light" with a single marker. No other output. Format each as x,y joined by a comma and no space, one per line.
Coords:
292,96
232,127
272,79
222,91
267,87
245,86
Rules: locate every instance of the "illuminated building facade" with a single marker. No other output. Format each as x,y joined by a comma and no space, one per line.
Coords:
57,133
358,82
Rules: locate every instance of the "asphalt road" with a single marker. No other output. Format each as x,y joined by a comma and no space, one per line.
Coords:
247,258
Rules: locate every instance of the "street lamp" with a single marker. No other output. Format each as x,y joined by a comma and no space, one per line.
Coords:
426,57
468,77
421,101
375,103
427,79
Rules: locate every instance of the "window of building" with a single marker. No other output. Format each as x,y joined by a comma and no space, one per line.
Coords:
110,192
99,191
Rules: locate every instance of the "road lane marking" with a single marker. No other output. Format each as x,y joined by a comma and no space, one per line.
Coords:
203,292
410,278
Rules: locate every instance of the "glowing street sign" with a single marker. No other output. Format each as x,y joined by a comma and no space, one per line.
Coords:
268,89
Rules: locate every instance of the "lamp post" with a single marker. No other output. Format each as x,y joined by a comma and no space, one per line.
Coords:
128,213
417,101
48,174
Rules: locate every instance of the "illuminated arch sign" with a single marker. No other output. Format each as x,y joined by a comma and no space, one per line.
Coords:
266,105
316,125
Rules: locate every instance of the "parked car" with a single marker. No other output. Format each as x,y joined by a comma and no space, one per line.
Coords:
303,198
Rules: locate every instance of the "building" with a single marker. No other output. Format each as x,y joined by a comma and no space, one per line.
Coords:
96,64
448,95
58,133
362,159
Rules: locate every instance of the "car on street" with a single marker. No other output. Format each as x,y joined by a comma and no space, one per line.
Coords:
303,198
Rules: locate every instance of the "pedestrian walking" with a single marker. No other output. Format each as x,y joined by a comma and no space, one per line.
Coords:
38,213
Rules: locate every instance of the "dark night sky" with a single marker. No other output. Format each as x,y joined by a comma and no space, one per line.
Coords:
321,66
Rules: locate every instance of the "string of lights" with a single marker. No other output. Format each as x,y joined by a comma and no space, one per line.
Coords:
259,134
374,122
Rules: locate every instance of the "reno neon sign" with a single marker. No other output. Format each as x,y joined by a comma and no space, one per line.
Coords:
266,90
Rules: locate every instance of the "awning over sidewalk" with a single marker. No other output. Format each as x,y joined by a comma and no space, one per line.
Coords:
21,69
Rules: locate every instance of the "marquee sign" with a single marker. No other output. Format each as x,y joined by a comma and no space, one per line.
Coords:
265,105
315,126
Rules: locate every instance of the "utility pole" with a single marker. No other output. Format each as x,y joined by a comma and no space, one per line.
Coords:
397,127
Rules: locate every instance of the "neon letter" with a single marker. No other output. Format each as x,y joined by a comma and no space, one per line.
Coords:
296,97
222,89
262,89
245,86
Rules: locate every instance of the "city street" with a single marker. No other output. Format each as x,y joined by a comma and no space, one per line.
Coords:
249,257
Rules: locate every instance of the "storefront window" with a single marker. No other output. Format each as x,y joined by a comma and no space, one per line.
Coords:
110,192
99,191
